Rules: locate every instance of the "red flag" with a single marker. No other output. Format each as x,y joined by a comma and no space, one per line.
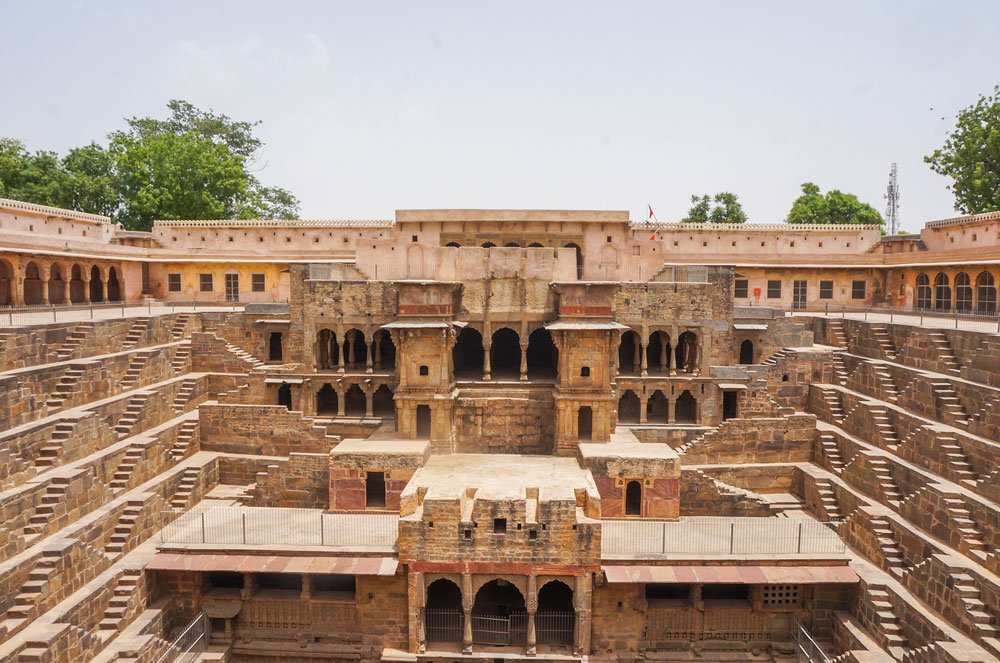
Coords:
652,237
651,215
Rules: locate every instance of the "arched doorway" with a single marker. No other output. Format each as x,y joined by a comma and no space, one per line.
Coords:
543,357
505,354
986,293
499,617
354,401
658,353
443,612
657,408
942,293
285,396
585,422
963,293
746,352
96,285
7,284
579,259
512,245
923,291
489,245
467,355
57,284
114,286
382,403
628,354
327,350
423,422
355,347
686,408
687,353
32,284
326,401
384,351
77,285
556,616
628,408
633,498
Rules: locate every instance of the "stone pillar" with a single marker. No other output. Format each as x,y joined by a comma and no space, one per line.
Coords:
582,600
418,596
531,603
349,339
249,586
369,357
467,602
103,290
344,343
643,371
378,350
486,361
45,292
524,362
340,401
637,354
86,291
670,359
664,353
670,410
643,400
703,356
332,351
306,587
369,405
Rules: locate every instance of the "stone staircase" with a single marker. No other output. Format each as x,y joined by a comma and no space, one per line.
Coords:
180,326
133,410
972,541
954,456
134,370
840,371
881,470
980,614
245,356
179,501
184,395
952,411
181,361
944,352
895,561
136,333
185,439
832,399
828,500
123,528
81,332
887,621
123,473
836,335
886,384
39,583
831,451
55,494
67,384
118,607
883,341
51,454
883,427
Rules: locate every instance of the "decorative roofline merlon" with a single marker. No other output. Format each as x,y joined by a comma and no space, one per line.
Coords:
8,203
290,224
750,227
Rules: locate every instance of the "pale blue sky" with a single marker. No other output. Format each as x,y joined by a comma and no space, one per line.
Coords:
372,106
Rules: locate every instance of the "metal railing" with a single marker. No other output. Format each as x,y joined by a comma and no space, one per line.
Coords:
719,536
257,526
189,644
443,625
964,319
44,314
807,650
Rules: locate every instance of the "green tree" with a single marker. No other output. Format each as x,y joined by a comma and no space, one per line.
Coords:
836,207
727,209
970,156
91,184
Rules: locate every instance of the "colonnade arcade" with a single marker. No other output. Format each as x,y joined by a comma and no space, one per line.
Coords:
37,282
657,354
658,407
965,292
507,355
351,349
338,398
520,611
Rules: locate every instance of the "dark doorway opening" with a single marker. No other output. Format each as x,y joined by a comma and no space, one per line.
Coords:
657,408
746,352
505,354
579,259
96,285
285,396
375,490
686,359
686,410
628,354
327,349
326,400
385,357
658,353
354,401
443,614
274,350
585,422
543,357
730,404
468,355
633,499
628,408
423,422
382,403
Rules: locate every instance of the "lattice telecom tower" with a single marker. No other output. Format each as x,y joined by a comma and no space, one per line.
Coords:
892,202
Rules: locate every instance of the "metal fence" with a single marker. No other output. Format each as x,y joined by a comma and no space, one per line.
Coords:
443,625
41,314
189,645
500,630
253,526
968,320
719,536
806,649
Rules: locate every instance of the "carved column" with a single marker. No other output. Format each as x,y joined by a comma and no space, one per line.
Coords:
418,596
636,354
486,361
86,291
45,291
664,353
103,293
341,392
524,362
644,343
306,587
531,603
467,601
582,599
643,400
378,350
369,398
369,357
349,340
670,359
670,410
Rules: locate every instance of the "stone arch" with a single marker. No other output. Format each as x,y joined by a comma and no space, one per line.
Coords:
633,498
628,408
327,401
942,292
454,245
327,349
687,352
658,352
922,292
355,349
32,286
383,404
747,352
443,611
579,258
77,284
657,408
414,261
383,350
986,293
543,356
512,245
58,284
468,354
483,586
686,408
355,402
489,245
284,396
609,260
505,353
96,284
629,348
8,284
114,285
535,245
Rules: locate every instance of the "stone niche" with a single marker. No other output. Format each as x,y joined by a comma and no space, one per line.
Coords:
635,479
370,474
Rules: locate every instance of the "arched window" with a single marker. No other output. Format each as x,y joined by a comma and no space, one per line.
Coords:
505,353
326,400
942,293
633,499
114,286
7,283
963,293
686,408
96,285
489,245
628,354
923,291
746,352
986,293
657,409
443,613
77,285
454,245
543,357
579,258
57,284
512,245
628,408
556,615
32,284
468,355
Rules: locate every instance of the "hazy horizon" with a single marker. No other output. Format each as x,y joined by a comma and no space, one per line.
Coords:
368,108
